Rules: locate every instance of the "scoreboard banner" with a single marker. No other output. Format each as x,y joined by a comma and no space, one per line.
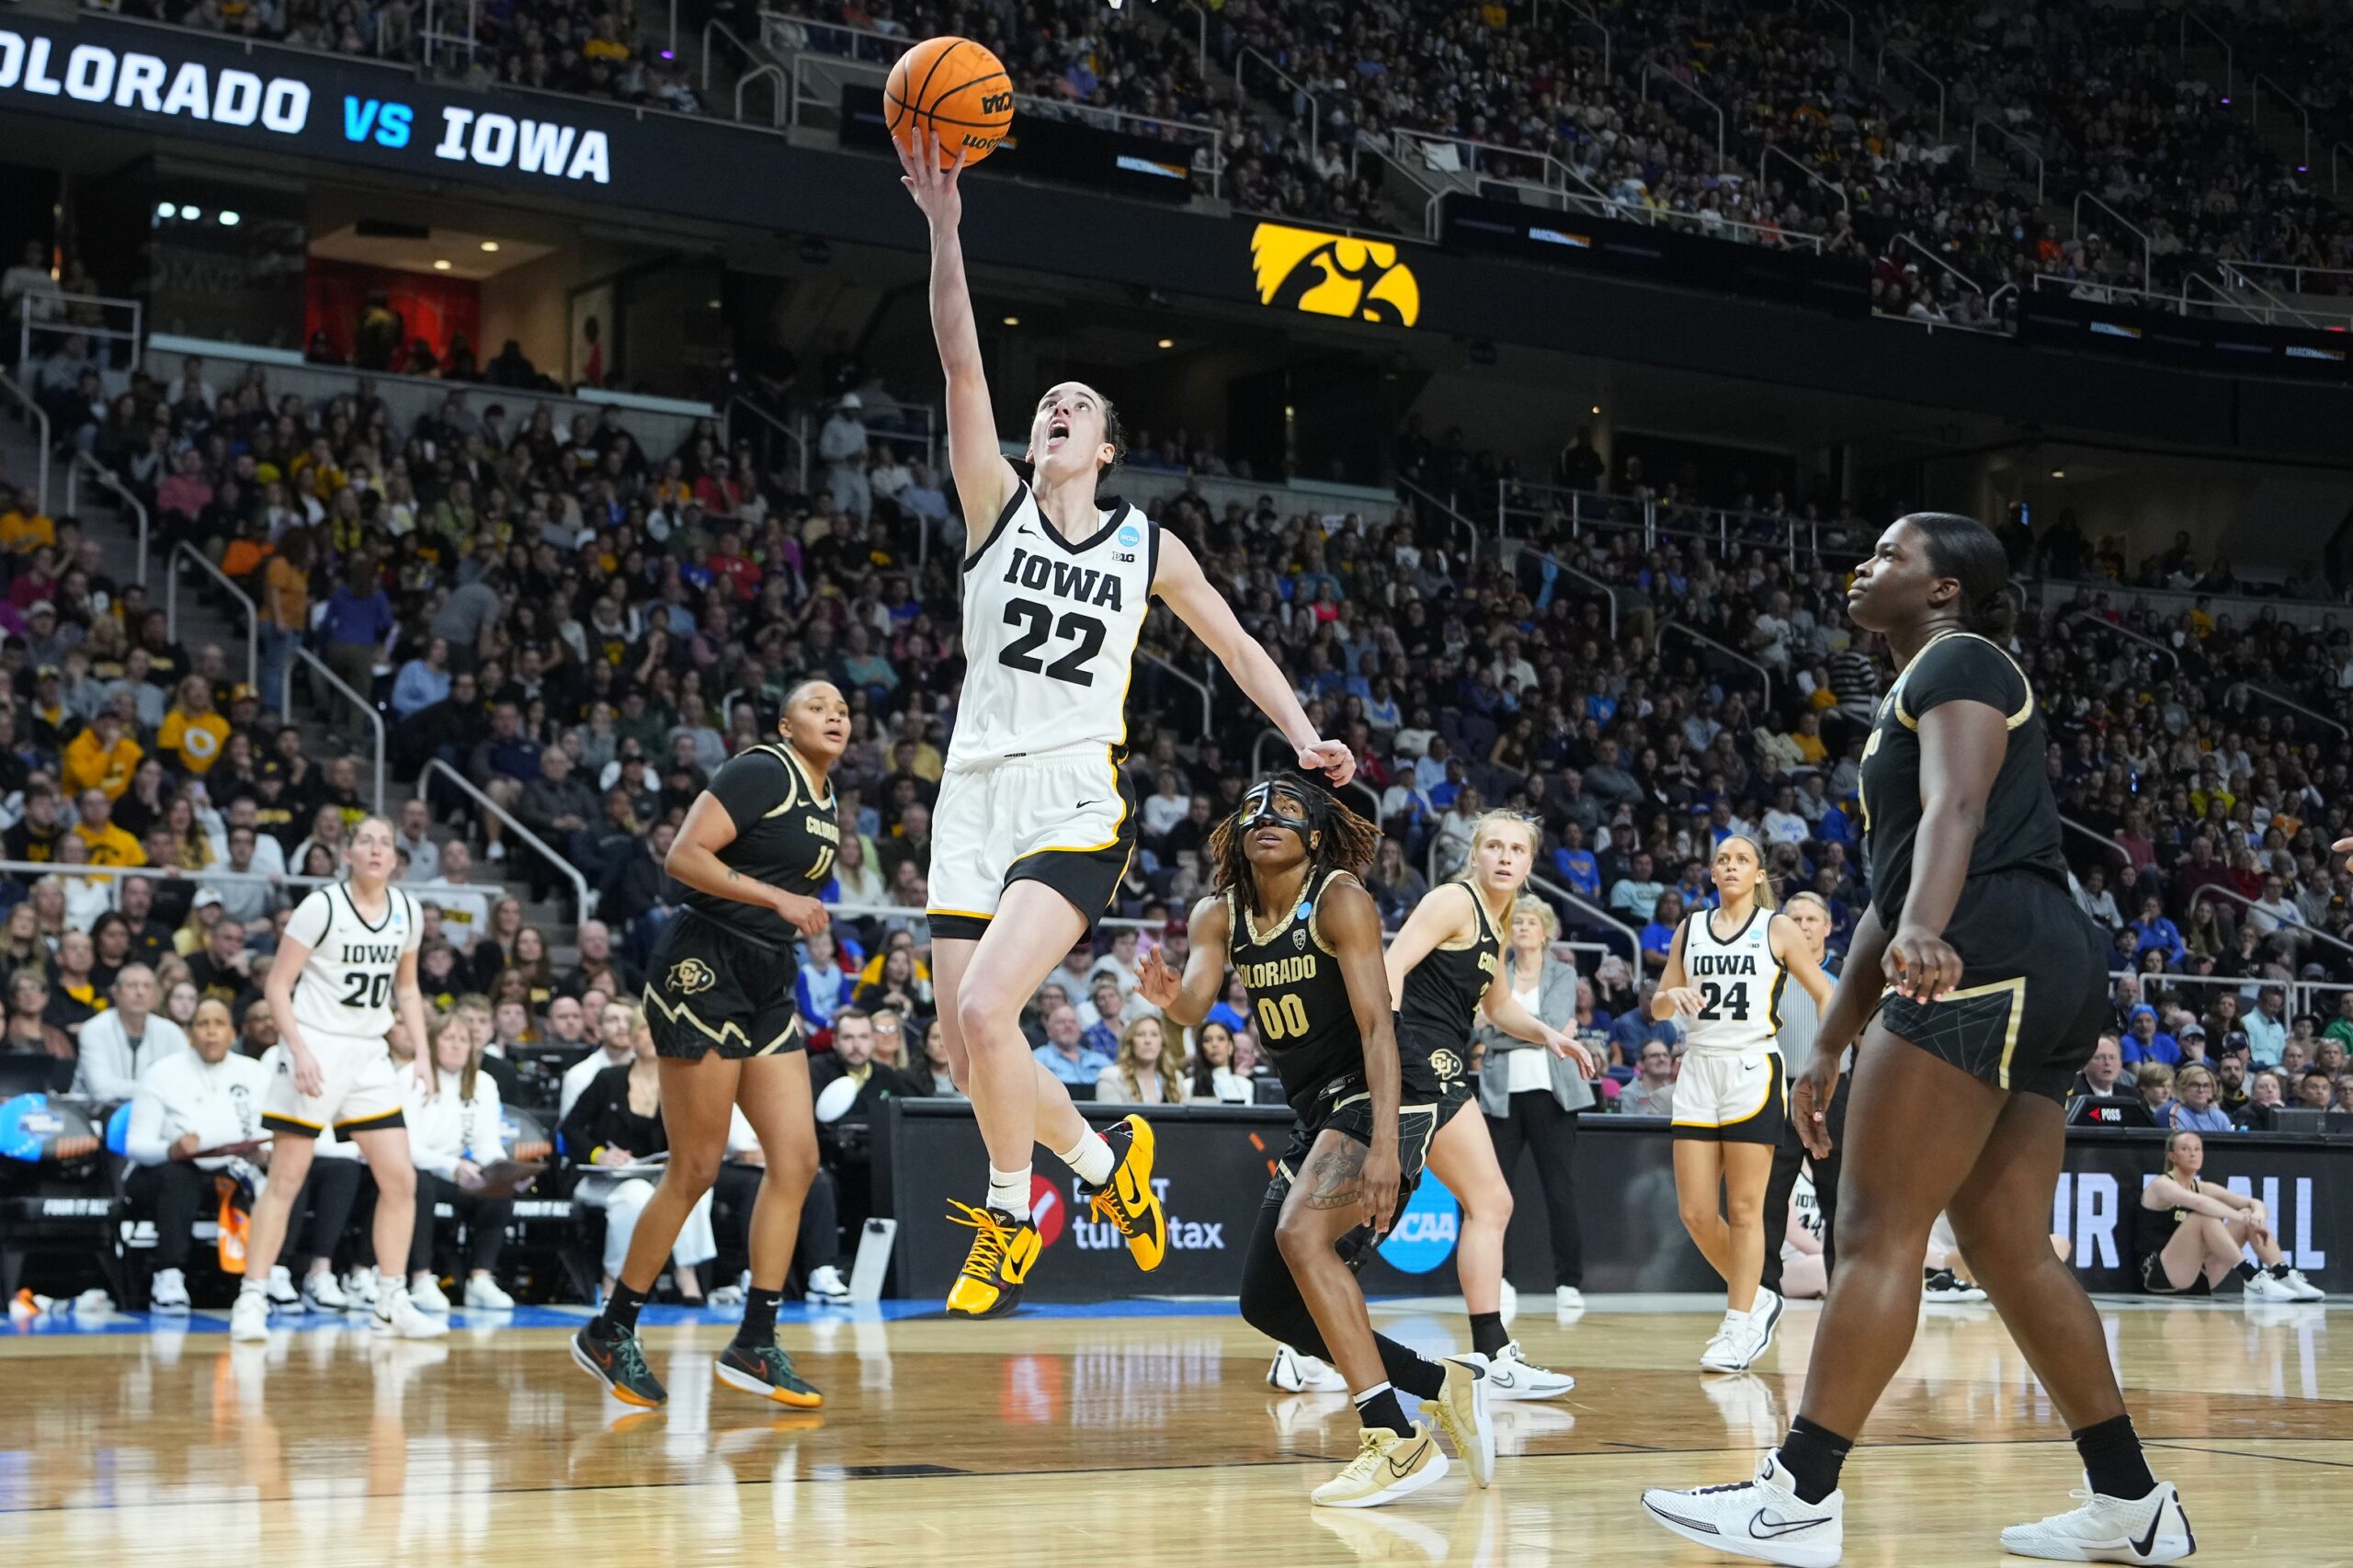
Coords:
1214,1163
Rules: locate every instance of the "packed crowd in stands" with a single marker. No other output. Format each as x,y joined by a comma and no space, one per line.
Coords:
589,629
1869,147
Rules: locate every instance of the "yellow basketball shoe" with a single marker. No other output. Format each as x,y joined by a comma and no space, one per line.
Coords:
989,1286
1127,1201
1387,1467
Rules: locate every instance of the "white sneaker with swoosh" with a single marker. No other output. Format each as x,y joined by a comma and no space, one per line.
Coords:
2109,1529
1764,1519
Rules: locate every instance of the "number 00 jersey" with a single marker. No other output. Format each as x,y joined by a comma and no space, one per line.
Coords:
346,987
1298,1000
1050,632
785,836
1739,981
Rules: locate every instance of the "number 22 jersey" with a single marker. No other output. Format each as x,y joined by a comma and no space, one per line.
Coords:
1050,632
346,987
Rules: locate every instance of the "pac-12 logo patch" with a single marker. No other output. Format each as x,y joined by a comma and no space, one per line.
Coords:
1130,537
689,976
1299,938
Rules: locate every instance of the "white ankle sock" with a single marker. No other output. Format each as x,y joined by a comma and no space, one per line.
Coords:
1009,1190
1091,1159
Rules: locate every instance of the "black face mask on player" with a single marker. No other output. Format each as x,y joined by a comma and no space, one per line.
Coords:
1287,803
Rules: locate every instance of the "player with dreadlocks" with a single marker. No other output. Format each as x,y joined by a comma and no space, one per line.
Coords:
1306,938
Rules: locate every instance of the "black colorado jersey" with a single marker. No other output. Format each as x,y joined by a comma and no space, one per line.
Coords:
2021,830
1299,999
1443,991
785,836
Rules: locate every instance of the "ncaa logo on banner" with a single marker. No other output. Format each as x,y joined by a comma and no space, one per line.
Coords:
1425,1230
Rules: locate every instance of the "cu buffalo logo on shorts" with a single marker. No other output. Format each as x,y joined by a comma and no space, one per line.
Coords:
1446,1064
690,977
1333,275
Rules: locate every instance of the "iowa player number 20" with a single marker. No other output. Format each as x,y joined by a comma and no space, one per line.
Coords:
1021,653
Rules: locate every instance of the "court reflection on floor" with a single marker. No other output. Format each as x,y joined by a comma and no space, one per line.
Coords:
988,1444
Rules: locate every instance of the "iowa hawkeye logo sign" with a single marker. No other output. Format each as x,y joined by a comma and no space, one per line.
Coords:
1334,275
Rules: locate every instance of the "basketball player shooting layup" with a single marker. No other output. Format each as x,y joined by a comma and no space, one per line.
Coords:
1035,823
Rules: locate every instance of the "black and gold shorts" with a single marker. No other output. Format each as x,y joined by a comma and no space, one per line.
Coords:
2033,991
709,989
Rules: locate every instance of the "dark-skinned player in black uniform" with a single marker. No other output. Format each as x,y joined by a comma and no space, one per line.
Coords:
1305,937
1978,991
755,847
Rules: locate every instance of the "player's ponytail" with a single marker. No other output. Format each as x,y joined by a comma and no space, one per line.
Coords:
1966,551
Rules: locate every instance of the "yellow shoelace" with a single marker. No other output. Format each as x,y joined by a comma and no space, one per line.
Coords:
988,1247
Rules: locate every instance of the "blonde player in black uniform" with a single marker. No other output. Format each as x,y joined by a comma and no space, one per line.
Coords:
755,847
1725,971
1990,990
1306,938
1035,823
1445,966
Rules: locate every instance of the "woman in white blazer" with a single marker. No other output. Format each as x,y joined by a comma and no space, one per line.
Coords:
453,1138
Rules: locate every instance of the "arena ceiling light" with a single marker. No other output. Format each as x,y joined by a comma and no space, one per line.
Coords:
2058,473
490,247
229,218
1013,321
191,213
166,209
1168,343
441,264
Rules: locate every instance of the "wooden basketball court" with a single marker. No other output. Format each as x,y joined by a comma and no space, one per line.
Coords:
1080,1437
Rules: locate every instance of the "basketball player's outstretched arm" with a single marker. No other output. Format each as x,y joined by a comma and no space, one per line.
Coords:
1504,1011
983,479
1180,582
1187,1001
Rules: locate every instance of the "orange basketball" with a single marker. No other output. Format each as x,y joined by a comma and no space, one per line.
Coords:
955,89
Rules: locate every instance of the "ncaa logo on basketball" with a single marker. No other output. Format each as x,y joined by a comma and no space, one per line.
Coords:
690,976
1334,275
1426,1230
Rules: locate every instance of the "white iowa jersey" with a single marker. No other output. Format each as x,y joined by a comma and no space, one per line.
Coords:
345,987
1739,981
1050,632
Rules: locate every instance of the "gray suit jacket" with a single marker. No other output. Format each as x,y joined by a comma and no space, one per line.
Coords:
1556,1003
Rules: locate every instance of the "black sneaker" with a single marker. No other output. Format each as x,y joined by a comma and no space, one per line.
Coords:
767,1373
618,1363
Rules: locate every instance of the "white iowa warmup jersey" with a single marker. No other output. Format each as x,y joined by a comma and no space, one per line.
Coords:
1739,981
345,988
1050,632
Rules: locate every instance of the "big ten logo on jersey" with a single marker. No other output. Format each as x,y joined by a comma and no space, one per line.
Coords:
1094,1236
1425,1230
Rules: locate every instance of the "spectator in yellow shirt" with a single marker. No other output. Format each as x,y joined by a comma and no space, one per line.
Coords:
109,845
194,732
23,528
101,757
